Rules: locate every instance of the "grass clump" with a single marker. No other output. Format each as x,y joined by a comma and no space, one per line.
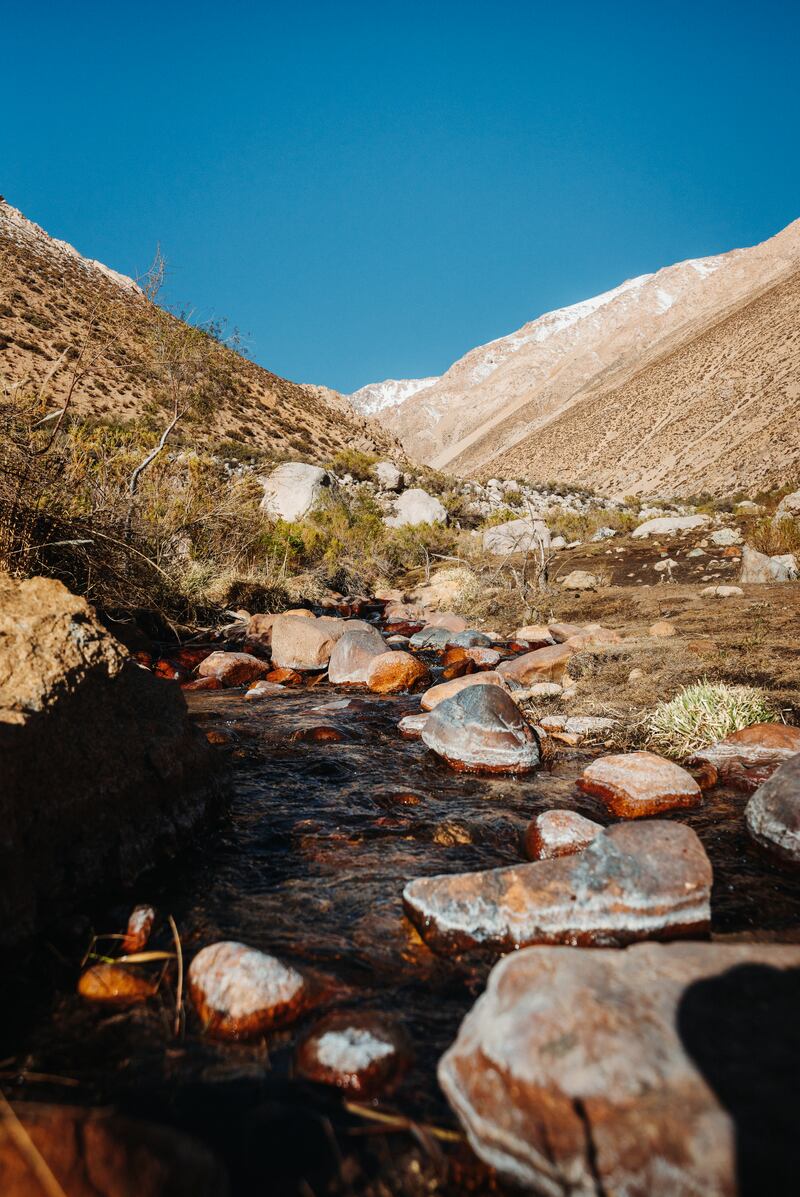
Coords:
775,537
702,714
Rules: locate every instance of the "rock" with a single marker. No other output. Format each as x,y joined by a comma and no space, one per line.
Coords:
431,637
115,985
524,535
537,635
483,658
668,525
634,881
352,656
589,725
662,629
233,669
482,730
543,664
410,726
721,592
759,568
284,677
559,833
604,534
469,639
635,784
355,1051
444,690
579,579
103,774
203,683
137,933
259,633
302,644
98,1153
789,507
264,689
726,537
416,506
656,1071
773,813
292,490
393,672
562,632
388,475
748,757
593,636
239,992
543,690
455,624
666,566
636,675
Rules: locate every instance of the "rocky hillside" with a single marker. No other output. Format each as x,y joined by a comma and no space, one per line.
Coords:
719,328
50,296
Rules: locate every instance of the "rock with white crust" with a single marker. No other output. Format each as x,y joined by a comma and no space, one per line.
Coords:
555,833
482,730
773,813
239,992
669,525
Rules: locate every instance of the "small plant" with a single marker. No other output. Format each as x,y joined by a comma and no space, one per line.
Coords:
776,537
703,713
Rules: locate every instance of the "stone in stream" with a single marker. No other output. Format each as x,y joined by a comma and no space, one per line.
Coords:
115,985
661,1070
203,683
355,1051
239,992
284,677
455,669
748,757
470,638
301,644
394,672
634,881
431,637
264,689
773,813
137,933
482,730
636,784
483,658
353,655
542,665
233,669
431,698
559,833
410,726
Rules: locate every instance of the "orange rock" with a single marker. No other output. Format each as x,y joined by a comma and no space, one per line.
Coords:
284,677
453,654
458,669
637,784
356,1051
437,694
317,735
541,665
748,757
115,985
239,992
394,672
203,683
140,924
233,669
558,833
170,671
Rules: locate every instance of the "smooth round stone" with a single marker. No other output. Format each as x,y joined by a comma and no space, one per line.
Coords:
239,992
137,933
773,813
559,833
394,672
410,726
471,638
233,669
115,985
634,784
482,730
431,638
431,698
357,1052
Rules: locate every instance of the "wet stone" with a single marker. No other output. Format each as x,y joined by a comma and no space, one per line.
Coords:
559,833
410,726
137,933
773,813
239,992
637,784
444,690
353,655
264,689
395,672
633,881
115,985
361,1053
482,730
302,643
746,758
233,669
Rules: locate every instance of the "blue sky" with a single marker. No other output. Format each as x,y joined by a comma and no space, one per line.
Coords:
369,189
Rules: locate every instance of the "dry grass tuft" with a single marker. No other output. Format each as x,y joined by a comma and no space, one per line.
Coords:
702,714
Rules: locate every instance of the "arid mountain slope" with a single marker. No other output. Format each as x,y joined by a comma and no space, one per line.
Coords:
49,297
500,394
719,411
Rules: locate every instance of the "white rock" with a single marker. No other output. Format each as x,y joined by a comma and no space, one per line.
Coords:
579,579
517,536
416,506
388,475
726,536
758,567
668,525
292,490
721,592
789,507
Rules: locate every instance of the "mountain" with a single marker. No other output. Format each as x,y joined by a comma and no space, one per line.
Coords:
542,402
50,295
377,396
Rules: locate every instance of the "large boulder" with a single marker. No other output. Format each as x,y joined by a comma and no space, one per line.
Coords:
353,654
656,1071
302,644
99,1153
525,535
668,525
542,665
634,881
103,774
746,758
758,567
394,672
444,690
482,730
789,507
416,506
773,813
292,490
388,475
633,784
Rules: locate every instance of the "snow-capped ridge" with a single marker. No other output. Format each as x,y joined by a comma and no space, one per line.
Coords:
377,396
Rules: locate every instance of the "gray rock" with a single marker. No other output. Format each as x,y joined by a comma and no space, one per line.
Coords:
525,535
293,490
789,507
773,812
726,536
758,567
388,475
416,506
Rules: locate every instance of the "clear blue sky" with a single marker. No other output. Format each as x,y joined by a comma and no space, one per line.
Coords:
368,189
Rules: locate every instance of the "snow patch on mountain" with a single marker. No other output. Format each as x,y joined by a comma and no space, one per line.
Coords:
376,396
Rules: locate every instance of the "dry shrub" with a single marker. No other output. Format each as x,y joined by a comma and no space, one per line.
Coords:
776,537
702,714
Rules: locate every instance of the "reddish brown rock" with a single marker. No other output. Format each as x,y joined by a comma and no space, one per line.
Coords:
558,833
115,985
656,1071
137,933
542,665
301,642
394,672
284,677
431,698
98,1153
203,683
748,757
170,671
633,881
773,813
316,735
353,655
239,992
564,631
233,669
484,658
634,784
456,669
482,730
536,635
359,1052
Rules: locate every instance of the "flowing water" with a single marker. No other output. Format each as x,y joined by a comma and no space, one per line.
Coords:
309,862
